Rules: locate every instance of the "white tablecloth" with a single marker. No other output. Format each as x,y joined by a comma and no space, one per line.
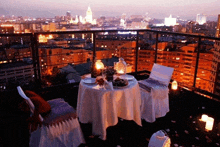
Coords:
102,107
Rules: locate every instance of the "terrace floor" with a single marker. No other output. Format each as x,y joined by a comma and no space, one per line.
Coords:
181,123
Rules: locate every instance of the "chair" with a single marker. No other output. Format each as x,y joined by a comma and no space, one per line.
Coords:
154,93
60,128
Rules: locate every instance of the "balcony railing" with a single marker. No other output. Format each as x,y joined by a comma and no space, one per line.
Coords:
193,57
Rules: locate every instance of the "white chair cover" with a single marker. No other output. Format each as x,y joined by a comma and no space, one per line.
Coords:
64,133
154,93
161,73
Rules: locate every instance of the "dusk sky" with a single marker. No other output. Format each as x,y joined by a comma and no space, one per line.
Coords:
154,8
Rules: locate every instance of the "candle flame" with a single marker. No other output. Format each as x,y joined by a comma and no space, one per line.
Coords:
121,71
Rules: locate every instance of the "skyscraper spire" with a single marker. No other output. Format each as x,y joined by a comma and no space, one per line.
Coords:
89,15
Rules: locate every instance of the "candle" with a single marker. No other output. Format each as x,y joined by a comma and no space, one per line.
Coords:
121,72
209,124
99,65
204,117
174,85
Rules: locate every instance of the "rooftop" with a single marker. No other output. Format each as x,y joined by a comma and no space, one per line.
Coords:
13,65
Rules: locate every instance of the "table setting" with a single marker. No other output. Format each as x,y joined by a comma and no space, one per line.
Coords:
103,99
108,77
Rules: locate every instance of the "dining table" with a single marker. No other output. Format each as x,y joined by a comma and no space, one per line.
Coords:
102,106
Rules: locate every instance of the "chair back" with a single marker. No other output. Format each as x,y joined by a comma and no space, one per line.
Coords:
28,101
161,73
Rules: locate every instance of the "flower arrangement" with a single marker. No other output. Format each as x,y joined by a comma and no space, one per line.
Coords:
100,81
110,71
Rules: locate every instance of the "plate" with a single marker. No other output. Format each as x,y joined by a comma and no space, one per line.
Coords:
121,83
89,80
120,87
127,77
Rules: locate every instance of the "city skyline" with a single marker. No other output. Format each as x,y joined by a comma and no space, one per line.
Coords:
155,9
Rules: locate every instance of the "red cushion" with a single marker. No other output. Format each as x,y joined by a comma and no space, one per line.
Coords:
44,106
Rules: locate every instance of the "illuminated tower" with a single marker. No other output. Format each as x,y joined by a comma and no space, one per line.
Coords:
123,16
200,19
122,21
169,21
68,15
89,15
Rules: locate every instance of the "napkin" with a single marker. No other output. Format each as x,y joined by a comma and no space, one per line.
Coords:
108,85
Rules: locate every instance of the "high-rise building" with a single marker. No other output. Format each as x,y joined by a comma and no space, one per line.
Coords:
19,72
181,60
123,16
6,28
122,21
170,21
89,15
218,27
214,85
68,15
200,19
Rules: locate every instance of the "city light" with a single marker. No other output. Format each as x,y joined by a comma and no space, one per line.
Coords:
127,32
51,47
57,48
169,21
6,25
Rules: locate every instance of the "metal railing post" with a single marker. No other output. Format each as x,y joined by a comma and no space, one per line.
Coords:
94,54
136,59
197,63
34,55
94,47
37,58
155,60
